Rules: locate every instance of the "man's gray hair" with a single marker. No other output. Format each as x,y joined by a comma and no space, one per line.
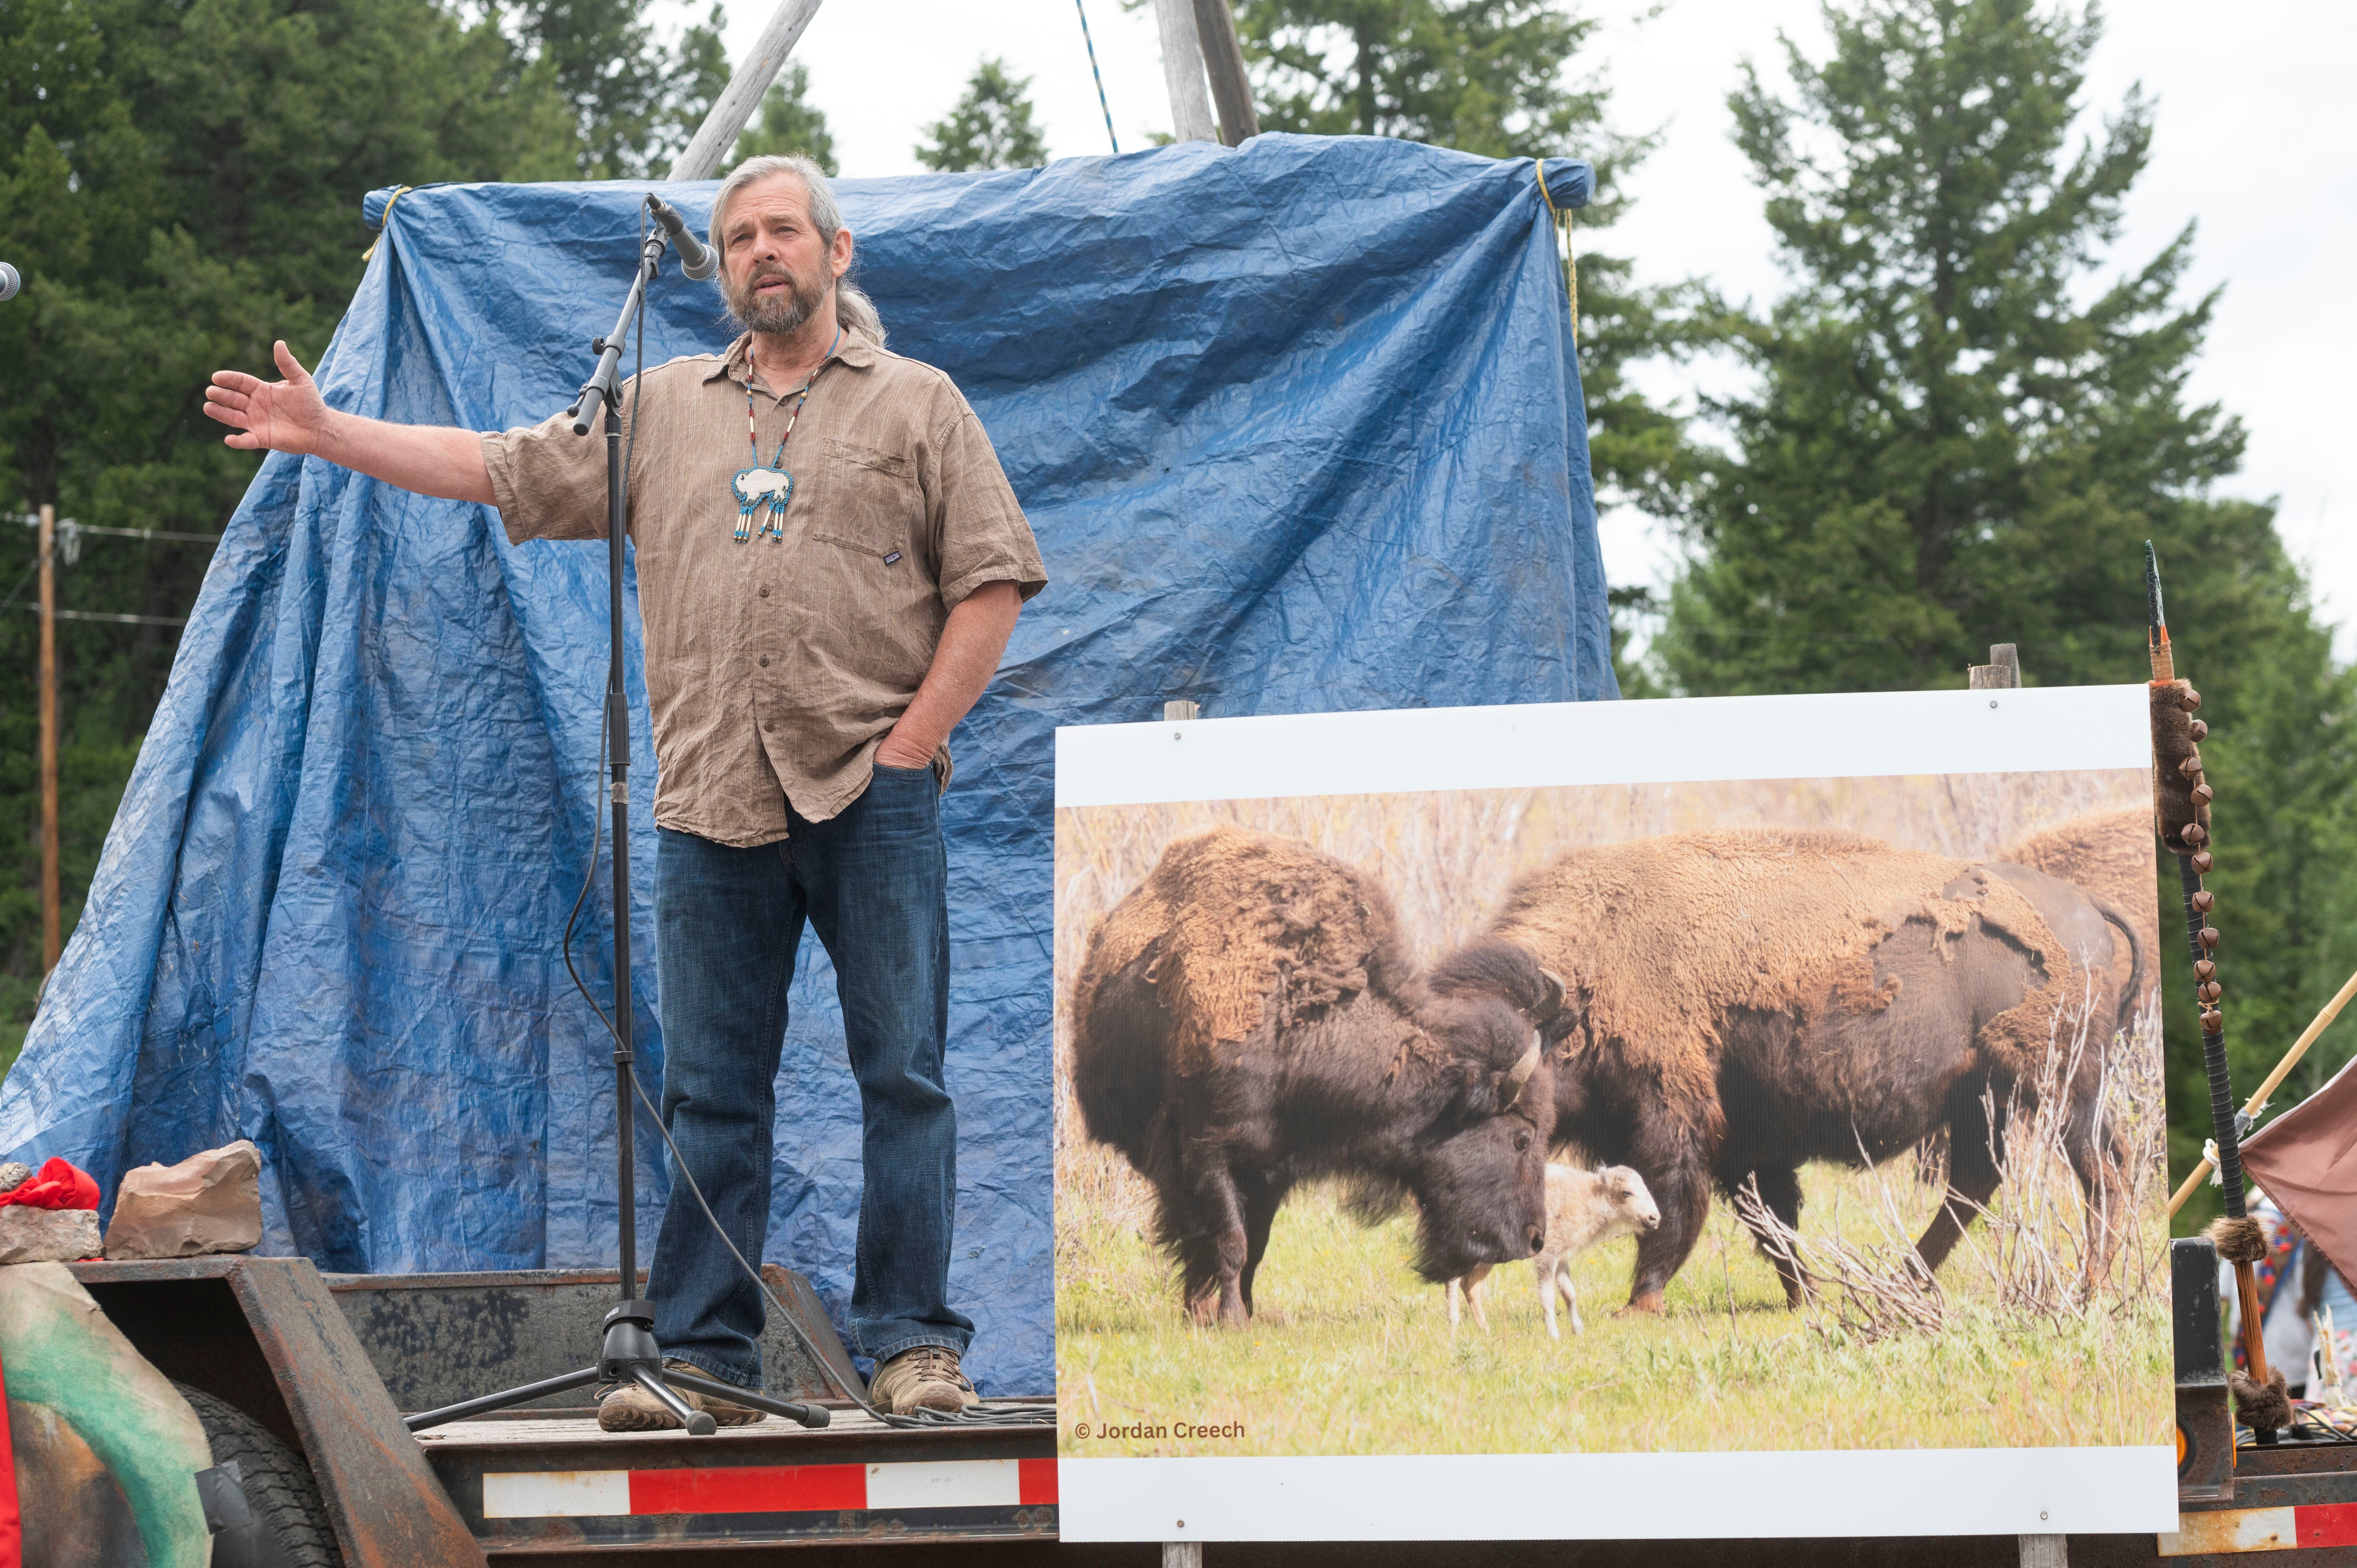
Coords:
853,308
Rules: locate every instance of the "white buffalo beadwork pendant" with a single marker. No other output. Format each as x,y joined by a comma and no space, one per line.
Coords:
759,487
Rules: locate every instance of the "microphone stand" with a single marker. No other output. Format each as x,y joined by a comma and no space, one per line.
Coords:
628,1351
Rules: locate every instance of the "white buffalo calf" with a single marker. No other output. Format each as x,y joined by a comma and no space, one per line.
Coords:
1583,1207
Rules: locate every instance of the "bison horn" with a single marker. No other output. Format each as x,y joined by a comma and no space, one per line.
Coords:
1520,1077
1548,1005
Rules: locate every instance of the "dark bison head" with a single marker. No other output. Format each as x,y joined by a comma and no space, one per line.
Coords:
1479,1171
1500,969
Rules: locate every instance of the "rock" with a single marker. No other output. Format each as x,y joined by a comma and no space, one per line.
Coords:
13,1174
209,1202
46,1235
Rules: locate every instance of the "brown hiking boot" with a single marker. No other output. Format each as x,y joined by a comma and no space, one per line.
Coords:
628,1407
924,1377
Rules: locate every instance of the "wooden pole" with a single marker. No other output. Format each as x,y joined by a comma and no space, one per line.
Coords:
2192,851
733,110
1223,63
2258,1103
1182,71
2045,1550
2002,673
51,941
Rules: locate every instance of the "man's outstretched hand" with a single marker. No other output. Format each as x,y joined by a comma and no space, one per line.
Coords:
290,416
276,416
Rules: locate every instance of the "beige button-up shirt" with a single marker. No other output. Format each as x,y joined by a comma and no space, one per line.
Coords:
775,668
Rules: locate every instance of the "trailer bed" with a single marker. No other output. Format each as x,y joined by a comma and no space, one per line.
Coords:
555,1484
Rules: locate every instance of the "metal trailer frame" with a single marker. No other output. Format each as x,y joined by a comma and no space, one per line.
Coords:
327,1363
265,1334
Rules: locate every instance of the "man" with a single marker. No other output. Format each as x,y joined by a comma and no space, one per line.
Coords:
824,598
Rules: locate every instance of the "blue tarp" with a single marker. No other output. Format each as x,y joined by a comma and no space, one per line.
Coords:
1297,425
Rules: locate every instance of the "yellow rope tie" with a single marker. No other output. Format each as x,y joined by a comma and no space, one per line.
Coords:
1562,228
384,221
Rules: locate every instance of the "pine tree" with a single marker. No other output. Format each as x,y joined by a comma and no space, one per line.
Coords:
635,100
1496,77
990,128
789,122
179,185
1485,76
1947,448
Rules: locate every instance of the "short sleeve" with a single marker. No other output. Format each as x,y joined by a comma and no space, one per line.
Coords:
980,530
547,482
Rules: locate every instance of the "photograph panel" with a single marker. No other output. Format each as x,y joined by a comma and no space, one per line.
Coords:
1797,1115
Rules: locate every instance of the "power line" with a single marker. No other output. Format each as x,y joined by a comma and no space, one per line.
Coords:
98,615
68,543
68,526
144,532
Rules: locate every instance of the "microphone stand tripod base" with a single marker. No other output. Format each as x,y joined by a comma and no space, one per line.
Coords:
629,1355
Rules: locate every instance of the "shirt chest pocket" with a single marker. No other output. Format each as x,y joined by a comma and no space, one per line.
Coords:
871,504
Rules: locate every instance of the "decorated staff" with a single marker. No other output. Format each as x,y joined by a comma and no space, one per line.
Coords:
2181,809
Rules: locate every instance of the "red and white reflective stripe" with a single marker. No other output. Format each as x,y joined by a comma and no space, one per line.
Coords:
2262,1530
769,1488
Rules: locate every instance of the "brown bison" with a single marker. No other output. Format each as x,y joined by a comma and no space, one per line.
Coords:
2113,857
1739,1002
1246,1020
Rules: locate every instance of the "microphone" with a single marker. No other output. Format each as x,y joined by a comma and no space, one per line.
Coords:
10,283
696,258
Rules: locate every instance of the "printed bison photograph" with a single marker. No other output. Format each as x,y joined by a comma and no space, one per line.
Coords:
1785,1115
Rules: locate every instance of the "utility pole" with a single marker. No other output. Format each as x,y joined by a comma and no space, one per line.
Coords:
50,941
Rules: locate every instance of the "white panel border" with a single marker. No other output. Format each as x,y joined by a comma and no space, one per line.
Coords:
1834,735
1623,1496
1971,1491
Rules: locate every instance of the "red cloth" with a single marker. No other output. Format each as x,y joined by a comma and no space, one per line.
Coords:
56,1184
12,1529
2307,1161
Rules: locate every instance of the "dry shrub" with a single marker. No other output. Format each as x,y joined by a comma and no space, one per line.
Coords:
1870,1291
2042,1249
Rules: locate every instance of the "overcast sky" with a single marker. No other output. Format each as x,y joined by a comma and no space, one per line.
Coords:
2257,138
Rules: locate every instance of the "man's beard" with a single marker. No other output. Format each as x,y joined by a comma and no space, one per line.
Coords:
773,314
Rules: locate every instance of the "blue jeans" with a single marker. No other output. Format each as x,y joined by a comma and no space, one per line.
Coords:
873,881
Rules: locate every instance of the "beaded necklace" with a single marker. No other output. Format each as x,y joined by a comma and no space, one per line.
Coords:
772,486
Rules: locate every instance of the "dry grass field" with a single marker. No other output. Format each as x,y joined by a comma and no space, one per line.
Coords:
1352,1352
